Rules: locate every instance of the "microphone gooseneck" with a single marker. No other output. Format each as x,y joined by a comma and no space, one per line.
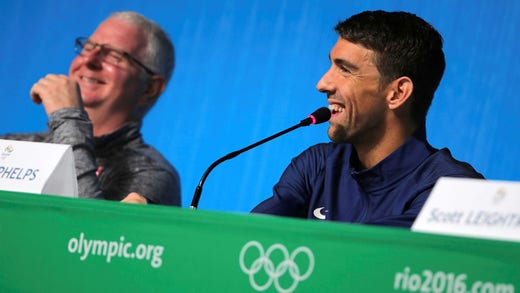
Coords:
319,116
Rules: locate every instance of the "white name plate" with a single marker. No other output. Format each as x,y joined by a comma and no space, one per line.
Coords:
34,167
473,208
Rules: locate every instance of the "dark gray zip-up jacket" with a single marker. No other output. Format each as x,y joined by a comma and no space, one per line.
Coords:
111,166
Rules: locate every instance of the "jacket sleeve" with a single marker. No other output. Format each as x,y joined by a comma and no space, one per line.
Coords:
292,194
72,126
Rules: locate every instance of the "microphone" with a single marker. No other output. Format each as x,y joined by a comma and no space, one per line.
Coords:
319,116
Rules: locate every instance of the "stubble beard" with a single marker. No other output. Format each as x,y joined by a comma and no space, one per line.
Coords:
338,134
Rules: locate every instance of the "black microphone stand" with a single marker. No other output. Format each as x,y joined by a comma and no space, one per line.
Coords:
198,190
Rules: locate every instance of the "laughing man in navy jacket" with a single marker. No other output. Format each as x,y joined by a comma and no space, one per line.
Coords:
379,168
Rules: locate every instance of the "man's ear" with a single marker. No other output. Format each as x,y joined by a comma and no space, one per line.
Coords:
400,92
156,87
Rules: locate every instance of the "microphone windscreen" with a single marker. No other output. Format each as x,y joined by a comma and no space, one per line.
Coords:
321,115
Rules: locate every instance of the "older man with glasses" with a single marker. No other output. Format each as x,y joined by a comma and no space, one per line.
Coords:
119,73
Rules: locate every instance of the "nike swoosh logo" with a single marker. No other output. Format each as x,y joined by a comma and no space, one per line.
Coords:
317,213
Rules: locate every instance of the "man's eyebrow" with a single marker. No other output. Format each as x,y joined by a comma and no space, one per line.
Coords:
344,63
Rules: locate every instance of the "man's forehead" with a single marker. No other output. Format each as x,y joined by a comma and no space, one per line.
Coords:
356,54
119,34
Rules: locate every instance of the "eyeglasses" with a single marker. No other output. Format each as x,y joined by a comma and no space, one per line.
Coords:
108,54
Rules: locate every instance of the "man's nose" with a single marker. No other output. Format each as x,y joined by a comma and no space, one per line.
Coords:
325,84
94,56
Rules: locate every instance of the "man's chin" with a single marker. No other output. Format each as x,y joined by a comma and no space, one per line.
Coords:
337,136
91,102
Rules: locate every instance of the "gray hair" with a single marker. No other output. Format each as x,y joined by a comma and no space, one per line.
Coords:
159,52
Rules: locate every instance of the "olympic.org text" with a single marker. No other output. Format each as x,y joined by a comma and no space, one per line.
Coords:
115,249
437,282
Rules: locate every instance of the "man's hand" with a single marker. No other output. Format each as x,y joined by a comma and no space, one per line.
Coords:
134,197
56,91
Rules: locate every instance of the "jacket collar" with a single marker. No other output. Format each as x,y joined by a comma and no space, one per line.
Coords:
397,165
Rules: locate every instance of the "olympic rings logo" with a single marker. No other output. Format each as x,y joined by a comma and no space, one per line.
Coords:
287,265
